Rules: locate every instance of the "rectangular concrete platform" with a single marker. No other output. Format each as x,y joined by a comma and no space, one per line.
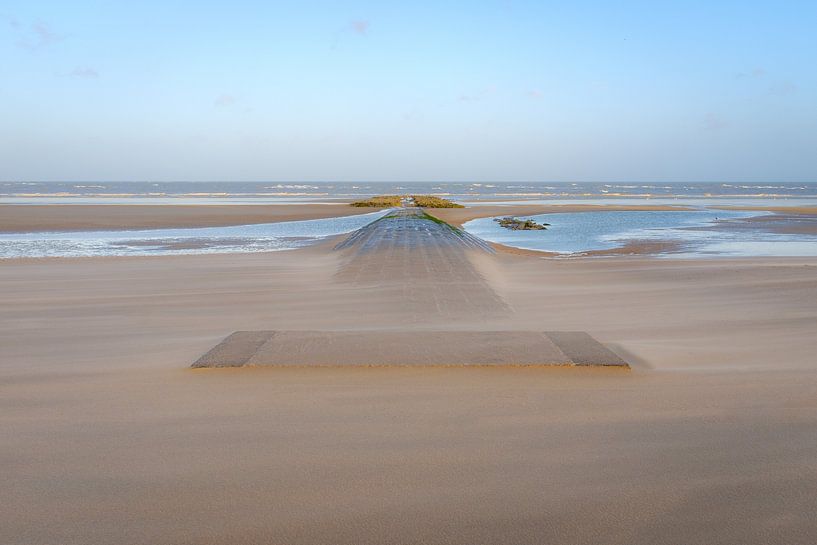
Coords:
409,348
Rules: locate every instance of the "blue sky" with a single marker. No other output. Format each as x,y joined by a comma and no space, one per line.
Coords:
364,91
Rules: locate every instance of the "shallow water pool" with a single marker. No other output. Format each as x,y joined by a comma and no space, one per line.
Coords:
693,233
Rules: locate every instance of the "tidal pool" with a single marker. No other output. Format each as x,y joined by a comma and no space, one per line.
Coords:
691,233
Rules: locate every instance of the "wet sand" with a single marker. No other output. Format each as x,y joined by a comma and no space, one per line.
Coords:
23,218
793,210
106,436
786,224
424,266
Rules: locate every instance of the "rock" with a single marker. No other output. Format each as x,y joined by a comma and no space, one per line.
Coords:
517,224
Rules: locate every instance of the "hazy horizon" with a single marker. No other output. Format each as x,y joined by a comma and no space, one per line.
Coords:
392,182
503,91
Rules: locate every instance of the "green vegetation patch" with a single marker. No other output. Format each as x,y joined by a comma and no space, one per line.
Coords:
438,221
430,201
381,201
393,201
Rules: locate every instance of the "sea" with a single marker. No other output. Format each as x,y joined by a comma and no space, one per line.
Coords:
292,193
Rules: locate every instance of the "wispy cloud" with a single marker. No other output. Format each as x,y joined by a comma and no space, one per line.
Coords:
412,115
714,122
755,73
38,36
473,97
782,89
360,27
224,101
535,94
83,72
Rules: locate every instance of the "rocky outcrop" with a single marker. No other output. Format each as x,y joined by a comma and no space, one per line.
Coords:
517,224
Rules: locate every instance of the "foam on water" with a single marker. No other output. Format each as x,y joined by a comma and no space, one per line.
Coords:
272,192
632,200
206,240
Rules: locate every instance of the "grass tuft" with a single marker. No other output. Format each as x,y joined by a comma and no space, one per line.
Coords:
430,201
394,201
381,201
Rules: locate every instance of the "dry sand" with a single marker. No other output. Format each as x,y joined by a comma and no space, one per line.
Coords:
107,437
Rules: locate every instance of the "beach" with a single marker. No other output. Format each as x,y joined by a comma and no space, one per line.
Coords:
110,437
408,273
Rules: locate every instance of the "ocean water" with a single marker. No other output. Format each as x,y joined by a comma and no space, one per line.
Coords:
696,233
328,192
206,240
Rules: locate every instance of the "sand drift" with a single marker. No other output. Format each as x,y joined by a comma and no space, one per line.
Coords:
431,260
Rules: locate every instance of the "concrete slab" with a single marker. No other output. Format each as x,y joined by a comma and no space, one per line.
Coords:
409,348
429,262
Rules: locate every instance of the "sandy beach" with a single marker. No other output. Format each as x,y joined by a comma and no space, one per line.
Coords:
109,437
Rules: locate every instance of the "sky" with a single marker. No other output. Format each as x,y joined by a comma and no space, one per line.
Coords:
438,90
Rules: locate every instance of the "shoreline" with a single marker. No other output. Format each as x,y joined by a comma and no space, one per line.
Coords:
21,218
18,218
50,218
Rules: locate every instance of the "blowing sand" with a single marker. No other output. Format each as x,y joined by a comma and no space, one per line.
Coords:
106,436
